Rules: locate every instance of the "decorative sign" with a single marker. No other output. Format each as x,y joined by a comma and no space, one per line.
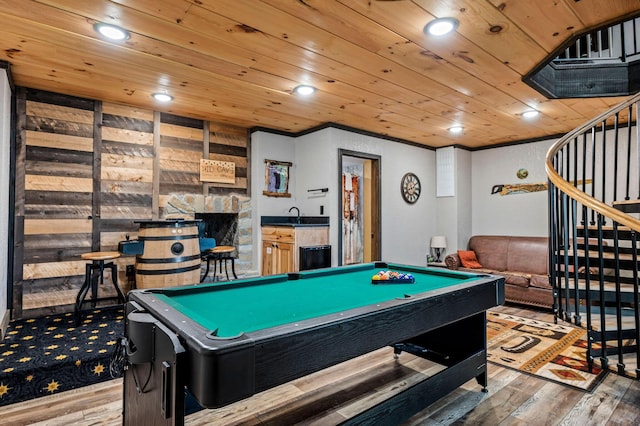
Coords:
217,171
524,188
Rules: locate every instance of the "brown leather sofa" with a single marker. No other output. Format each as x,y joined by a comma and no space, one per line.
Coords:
523,261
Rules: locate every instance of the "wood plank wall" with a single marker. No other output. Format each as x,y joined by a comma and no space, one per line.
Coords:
126,175
181,148
86,171
228,143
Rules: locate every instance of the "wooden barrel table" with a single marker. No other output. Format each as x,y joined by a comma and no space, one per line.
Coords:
171,254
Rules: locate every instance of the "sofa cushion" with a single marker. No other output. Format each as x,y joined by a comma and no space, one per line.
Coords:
530,254
540,281
515,278
468,259
491,250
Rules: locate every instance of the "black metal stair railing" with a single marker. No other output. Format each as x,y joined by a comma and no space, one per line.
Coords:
617,43
594,209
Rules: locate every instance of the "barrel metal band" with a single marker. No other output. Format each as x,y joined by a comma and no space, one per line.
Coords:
169,237
167,271
169,259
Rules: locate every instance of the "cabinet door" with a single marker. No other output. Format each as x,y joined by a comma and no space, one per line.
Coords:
268,258
284,258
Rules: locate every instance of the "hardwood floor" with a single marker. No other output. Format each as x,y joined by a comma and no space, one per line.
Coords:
318,399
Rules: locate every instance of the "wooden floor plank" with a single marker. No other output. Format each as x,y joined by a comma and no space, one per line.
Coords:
58,405
554,397
597,408
462,400
627,412
513,398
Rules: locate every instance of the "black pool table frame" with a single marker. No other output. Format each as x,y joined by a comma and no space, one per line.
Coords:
168,351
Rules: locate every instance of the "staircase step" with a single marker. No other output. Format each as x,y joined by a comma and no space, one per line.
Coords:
610,319
624,260
624,232
608,286
594,250
627,206
606,254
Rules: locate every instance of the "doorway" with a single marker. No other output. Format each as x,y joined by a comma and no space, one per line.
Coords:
359,224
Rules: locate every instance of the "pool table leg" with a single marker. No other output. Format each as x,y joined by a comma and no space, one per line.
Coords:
153,391
483,380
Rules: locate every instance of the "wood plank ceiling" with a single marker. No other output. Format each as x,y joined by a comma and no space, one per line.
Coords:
237,61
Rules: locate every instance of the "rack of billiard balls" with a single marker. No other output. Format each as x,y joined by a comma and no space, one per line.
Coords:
392,277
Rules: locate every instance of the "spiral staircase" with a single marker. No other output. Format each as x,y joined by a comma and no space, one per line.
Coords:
594,210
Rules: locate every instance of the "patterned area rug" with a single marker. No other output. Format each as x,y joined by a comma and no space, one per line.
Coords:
553,351
47,355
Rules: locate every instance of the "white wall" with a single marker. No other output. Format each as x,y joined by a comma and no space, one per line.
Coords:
5,124
317,160
454,215
406,229
527,214
268,146
515,214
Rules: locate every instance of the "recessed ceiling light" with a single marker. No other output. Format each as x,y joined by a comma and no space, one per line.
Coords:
112,32
530,114
304,90
441,26
162,97
456,129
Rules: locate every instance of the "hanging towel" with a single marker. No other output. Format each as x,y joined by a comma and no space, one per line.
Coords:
347,182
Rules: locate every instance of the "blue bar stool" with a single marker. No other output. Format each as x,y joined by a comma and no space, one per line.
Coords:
94,273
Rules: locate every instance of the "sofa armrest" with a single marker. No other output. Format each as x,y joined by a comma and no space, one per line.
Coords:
452,261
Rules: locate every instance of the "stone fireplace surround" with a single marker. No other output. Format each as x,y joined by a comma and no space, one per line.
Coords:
185,206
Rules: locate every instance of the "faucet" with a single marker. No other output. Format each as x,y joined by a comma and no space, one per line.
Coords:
298,215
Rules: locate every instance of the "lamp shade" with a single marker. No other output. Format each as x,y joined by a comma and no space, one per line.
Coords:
439,241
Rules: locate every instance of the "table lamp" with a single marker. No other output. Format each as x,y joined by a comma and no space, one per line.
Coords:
438,246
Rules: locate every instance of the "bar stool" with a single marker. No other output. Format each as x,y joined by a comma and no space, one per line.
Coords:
220,255
94,272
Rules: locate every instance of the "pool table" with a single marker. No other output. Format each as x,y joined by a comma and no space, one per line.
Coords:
227,341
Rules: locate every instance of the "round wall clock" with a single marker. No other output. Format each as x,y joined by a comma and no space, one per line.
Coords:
410,188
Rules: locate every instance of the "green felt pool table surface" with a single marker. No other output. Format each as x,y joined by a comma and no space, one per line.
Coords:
259,303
